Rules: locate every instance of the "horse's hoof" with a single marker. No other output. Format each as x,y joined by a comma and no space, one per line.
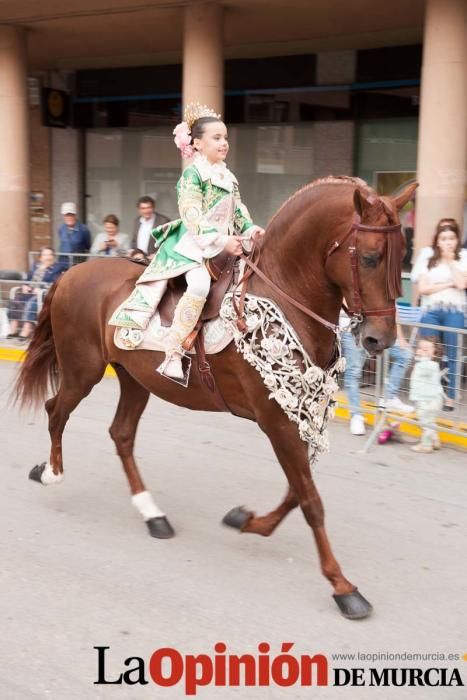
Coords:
36,472
160,527
237,517
353,605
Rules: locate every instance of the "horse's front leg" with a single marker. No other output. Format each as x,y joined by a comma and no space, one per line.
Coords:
292,453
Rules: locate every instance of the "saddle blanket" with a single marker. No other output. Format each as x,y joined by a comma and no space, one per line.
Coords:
216,336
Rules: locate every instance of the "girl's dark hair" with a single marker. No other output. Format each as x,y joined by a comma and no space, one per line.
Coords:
112,219
197,129
444,225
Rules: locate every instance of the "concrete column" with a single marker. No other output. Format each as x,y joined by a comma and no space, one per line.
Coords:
65,175
14,150
203,64
442,146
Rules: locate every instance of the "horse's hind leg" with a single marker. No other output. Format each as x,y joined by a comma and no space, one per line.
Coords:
73,388
133,400
264,525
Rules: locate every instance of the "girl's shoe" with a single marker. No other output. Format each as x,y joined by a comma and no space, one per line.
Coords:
172,366
436,444
12,335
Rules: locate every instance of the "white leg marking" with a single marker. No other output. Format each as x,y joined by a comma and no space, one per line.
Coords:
48,476
144,503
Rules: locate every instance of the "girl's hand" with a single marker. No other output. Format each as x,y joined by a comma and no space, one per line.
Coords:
259,235
233,246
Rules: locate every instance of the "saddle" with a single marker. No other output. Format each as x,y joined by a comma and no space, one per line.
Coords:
224,269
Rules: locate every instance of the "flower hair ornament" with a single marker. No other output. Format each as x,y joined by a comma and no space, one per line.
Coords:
182,131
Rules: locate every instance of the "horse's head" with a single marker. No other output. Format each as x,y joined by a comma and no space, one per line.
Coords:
368,269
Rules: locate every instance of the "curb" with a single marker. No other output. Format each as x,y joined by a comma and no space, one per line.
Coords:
370,415
15,355
342,411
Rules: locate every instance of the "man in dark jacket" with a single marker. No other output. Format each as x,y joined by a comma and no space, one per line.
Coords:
147,220
74,236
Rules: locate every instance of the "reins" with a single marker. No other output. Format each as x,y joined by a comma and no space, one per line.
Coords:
254,269
357,313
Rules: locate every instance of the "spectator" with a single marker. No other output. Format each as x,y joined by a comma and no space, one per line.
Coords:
409,230
440,273
427,392
355,359
23,308
147,220
111,241
355,356
400,355
74,236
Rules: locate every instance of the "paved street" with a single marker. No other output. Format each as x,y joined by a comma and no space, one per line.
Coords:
78,569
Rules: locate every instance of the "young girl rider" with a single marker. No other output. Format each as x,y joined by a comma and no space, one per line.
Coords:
211,213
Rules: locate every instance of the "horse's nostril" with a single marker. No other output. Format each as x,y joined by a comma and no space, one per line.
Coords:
371,341
372,345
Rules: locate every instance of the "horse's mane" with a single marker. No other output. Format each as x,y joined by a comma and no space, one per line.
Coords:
328,180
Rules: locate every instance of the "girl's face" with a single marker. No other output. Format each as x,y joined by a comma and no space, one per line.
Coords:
425,350
213,143
447,242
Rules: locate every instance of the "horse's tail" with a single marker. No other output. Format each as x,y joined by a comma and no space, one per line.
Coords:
40,366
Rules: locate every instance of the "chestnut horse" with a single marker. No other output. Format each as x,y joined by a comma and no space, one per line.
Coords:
334,238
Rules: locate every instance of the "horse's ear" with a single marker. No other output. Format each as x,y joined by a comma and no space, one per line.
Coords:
362,202
405,196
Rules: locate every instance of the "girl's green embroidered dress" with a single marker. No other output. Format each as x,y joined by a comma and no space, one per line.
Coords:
210,210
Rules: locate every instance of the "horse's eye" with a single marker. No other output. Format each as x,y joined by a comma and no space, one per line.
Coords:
371,260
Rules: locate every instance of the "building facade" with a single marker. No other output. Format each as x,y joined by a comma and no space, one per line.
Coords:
307,89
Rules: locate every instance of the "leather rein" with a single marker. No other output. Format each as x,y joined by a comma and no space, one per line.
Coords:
357,313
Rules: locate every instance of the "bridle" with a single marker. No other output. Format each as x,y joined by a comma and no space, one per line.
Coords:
357,313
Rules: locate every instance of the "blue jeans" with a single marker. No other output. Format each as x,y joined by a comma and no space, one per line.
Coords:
30,310
454,319
355,359
400,358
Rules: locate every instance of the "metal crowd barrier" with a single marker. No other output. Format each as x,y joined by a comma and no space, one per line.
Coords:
70,259
8,294
8,287
374,385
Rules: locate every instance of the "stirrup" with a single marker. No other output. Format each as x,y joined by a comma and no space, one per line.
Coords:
172,368
130,337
